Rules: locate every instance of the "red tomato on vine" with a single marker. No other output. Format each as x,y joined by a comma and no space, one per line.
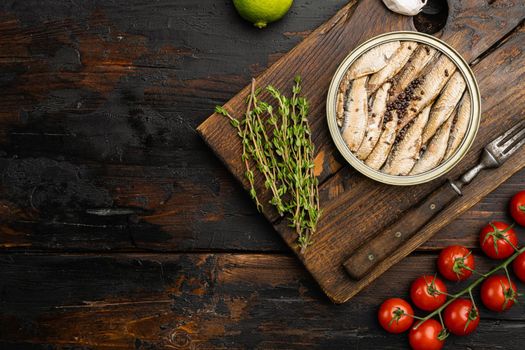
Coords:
429,335
395,315
461,317
498,293
517,208
519,266
428,292
455,263
498,240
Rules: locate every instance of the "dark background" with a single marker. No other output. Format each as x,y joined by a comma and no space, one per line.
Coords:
120,229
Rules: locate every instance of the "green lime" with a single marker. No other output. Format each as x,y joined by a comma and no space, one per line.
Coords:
262,12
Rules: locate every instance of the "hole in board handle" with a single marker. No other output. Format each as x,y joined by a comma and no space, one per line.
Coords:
432,18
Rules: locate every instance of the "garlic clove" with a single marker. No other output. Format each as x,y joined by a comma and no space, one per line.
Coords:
405,7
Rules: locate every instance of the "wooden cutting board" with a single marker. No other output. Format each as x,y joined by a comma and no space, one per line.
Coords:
490,36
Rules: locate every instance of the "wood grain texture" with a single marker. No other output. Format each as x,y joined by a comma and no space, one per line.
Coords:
392,237
226,222
98,111
206,301
349,199
102,174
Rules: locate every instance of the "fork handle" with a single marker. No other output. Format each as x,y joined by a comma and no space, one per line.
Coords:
377,248
487,161
380,246
466,178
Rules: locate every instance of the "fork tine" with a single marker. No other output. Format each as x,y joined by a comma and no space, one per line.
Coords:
514,148
509,132
518,136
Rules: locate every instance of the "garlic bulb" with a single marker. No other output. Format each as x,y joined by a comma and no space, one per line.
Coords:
405,7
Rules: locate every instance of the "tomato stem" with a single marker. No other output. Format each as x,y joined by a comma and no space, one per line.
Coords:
472,315
510,243
474,284
508,276
444,333
497,234
472,299
414,316
441,320
473,270
444,293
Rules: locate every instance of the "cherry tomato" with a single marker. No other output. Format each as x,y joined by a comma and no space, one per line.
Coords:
517,208
460,317
428,336
498,240
395,315
497,294
452,262
426,292
519,266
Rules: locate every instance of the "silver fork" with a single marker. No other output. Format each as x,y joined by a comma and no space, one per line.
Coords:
394,235
494,154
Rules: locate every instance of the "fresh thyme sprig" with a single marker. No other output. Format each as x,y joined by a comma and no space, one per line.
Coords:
279,143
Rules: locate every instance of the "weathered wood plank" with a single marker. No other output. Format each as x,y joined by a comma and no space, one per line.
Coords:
166,210
112,92
57,205
49,203
147,301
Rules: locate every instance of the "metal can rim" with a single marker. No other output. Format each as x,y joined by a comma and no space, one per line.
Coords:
470,134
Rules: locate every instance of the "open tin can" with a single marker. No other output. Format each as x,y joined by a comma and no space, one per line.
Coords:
471,87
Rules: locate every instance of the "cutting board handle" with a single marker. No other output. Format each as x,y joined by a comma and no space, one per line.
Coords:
379,247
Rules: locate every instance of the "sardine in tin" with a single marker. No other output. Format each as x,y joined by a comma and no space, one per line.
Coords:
471,86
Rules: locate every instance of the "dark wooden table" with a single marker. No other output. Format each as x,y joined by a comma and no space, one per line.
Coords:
120,229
